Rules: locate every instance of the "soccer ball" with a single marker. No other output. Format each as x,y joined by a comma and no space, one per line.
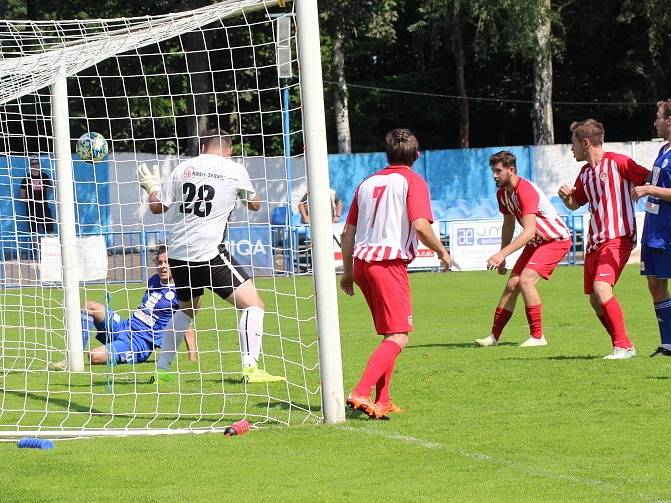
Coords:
92,147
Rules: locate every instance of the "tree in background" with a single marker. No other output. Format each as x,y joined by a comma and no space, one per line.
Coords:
458,72
344,21
524,28
440,23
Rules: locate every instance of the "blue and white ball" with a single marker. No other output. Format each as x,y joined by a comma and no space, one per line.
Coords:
92,147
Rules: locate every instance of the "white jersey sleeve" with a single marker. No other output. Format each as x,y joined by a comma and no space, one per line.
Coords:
246,190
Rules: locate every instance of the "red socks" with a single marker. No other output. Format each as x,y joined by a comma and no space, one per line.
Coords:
534,318
501,317
384,385
381,361
614,317
604,322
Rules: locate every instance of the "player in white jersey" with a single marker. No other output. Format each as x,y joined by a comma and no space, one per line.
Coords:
390,211
197,199
545,239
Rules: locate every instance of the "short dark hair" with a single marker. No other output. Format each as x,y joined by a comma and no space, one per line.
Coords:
160,250
590,129
402,147
34,160
504,157
216,137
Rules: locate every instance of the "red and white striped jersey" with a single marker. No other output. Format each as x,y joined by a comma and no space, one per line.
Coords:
528,199
384,207
607,188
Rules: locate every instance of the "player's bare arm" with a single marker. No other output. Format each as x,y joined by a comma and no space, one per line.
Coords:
303,210
527,234
347,248
507,231
566,195
254,204
651,190
428,238
156,206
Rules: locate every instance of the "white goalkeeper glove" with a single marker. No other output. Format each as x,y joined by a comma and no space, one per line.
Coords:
149,178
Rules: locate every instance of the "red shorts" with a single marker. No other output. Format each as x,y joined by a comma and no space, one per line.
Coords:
387,290
606,262
542,258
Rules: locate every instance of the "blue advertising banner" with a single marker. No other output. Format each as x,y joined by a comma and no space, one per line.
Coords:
252,248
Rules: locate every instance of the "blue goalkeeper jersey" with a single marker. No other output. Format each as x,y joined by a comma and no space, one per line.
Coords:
155,311
657,228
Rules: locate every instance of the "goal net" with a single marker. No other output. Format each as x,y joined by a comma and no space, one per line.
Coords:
73,232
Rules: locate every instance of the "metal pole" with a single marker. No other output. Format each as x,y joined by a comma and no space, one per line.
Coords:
65,202
316,159
286,131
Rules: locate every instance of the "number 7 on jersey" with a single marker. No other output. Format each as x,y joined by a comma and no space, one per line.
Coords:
377,196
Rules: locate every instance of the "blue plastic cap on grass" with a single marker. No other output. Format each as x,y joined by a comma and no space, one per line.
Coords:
35,443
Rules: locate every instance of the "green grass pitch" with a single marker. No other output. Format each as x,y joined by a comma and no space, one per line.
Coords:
482,424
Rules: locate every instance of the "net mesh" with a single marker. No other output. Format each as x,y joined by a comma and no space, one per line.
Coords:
150,86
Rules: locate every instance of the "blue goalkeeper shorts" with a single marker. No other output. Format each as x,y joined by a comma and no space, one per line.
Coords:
123,344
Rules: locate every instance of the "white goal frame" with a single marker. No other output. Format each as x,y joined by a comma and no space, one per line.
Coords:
326,302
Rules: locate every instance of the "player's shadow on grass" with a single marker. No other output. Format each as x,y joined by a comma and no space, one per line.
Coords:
356,415
455,345
556,357
290,406
660,378
67,405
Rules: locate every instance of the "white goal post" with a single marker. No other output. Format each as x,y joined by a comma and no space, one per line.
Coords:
152,86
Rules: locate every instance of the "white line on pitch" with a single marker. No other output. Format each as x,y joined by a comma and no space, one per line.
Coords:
535,472
395,436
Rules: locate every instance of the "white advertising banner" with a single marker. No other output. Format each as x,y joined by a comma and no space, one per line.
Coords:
91,259
472,242
425,259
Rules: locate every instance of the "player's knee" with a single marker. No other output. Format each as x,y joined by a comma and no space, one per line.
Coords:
602,291
512,284
658,290
400,339
251,301
526,283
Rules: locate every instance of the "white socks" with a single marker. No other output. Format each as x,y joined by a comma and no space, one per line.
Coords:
172,338
250,331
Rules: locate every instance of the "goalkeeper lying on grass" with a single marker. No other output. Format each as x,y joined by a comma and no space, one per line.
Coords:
133,340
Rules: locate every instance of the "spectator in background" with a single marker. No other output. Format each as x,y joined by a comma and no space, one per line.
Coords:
336,208
35,191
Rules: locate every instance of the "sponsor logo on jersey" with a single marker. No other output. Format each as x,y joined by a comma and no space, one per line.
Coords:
665,162
188,172
603,176
170,295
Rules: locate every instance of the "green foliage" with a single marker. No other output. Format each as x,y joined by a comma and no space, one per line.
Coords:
603,51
